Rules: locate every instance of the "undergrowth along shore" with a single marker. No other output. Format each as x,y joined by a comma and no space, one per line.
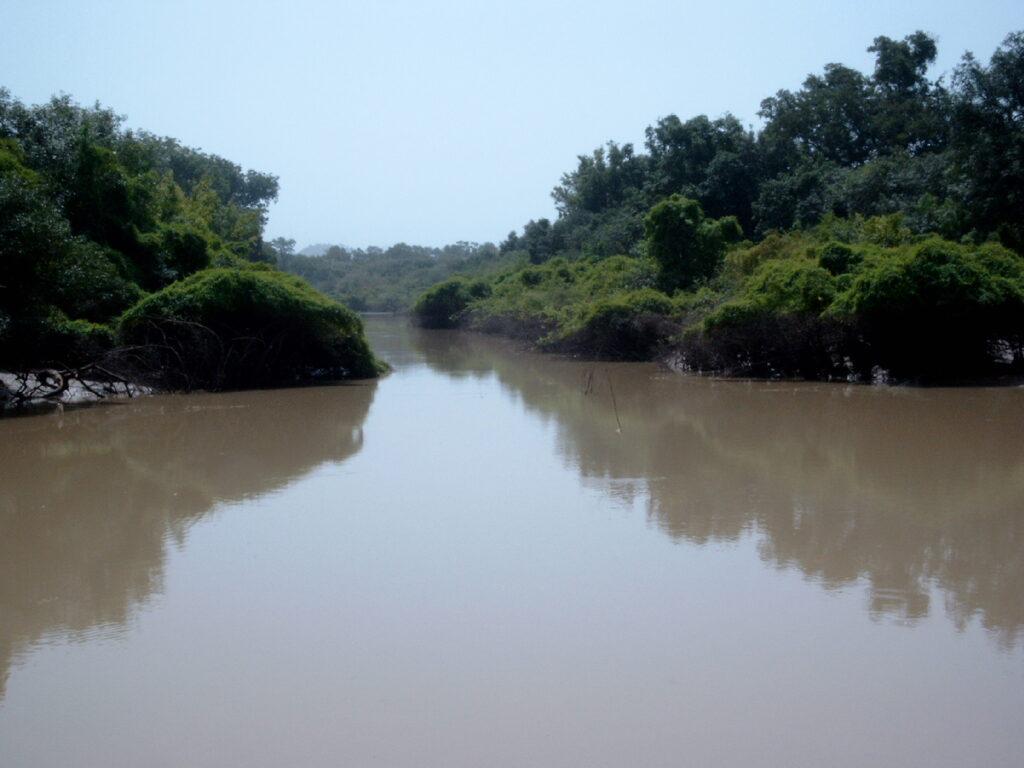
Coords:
849,299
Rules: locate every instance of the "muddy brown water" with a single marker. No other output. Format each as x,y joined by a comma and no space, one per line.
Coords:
496,558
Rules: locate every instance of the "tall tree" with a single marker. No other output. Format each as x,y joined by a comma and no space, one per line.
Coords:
988,139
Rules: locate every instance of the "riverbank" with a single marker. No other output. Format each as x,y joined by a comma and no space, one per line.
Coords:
854,300
40,390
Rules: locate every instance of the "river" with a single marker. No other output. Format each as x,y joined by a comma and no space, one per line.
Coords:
496,558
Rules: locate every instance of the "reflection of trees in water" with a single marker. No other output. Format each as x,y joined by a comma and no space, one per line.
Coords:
89,500
905,488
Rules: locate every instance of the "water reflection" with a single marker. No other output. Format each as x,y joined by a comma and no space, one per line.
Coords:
90,501
906,489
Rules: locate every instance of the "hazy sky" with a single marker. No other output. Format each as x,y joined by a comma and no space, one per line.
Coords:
430,122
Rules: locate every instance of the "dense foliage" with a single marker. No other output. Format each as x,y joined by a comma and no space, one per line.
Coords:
604,306
949,156
94,218
232,328
885,213
923,308
688,246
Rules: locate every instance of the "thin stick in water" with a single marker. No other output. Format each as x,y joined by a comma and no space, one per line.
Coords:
615,406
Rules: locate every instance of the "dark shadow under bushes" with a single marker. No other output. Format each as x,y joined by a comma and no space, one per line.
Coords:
521,326
767,345
636,337
804,346
632,326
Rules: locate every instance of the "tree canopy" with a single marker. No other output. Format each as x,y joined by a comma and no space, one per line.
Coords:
95,217
945,154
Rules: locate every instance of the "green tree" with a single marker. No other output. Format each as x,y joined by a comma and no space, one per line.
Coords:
714,161
604,179
830,118
283,246
909,111
540,240
687,246
988,139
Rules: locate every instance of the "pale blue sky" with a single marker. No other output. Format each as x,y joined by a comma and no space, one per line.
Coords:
430,122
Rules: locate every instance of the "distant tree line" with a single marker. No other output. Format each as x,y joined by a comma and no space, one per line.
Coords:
386,279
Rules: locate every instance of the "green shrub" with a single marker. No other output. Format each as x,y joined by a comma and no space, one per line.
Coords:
443,305
615,274
937,309
783,287
229,329
774,327
928,311
790,287
547,303
838,258
629,326
73,342
746,257
888,231
697,303
531,277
